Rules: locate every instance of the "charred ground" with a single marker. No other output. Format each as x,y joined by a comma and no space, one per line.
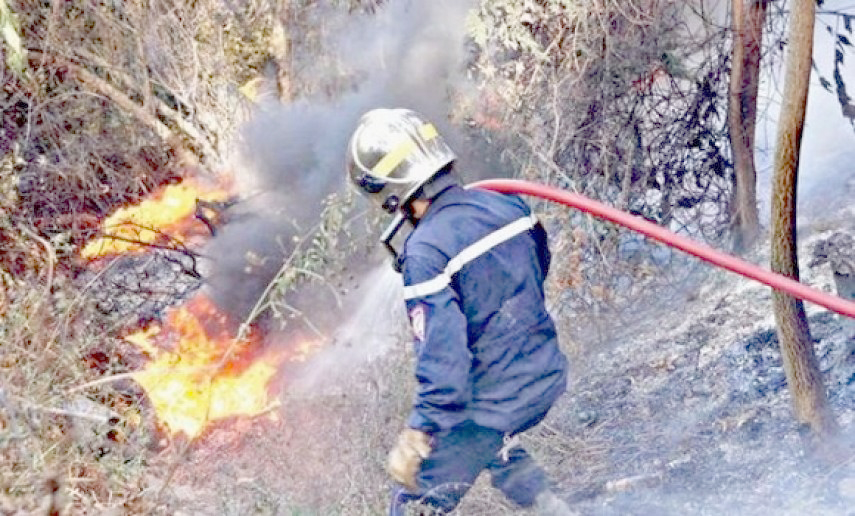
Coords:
675,407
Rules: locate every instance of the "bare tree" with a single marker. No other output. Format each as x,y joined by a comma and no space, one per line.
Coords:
800,362
624,102
748,17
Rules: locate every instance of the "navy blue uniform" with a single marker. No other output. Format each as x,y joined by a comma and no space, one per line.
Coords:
488,363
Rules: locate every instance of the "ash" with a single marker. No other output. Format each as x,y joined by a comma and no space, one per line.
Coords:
142,286
689,412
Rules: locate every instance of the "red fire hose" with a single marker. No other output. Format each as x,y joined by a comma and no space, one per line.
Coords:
704,252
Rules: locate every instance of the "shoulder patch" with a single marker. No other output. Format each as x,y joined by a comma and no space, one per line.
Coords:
418,321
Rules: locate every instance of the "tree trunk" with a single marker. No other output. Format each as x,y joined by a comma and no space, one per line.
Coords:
744,80
800,362
280,49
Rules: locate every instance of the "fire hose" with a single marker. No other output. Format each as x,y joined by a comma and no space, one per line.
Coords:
704,252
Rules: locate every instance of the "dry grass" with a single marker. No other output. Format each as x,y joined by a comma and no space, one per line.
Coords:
95,450
76,451
328,454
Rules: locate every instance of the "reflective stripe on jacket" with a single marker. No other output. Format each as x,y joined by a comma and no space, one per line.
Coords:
486,347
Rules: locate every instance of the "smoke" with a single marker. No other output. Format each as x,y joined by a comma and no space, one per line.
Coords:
291,157
376,322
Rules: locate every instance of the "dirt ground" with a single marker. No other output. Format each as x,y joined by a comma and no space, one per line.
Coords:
674,407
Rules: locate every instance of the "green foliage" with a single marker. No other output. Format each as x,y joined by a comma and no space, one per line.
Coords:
244,35
312,259
597,96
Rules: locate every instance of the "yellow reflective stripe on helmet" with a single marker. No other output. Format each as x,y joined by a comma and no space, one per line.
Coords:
428,132
394,157
443,279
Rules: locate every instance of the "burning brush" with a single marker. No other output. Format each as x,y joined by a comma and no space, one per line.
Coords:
199,373
202,366
176,213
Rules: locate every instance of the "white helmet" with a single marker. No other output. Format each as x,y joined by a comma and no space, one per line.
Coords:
393,153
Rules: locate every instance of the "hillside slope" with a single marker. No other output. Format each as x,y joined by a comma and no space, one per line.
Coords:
683,410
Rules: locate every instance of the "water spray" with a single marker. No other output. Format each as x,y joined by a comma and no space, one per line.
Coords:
669,238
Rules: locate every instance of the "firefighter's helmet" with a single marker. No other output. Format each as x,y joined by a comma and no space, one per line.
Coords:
393,153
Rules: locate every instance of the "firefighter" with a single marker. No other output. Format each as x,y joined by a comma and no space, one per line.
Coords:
488,365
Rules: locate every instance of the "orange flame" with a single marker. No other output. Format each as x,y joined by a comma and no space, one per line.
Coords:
168,212
198,372
207,375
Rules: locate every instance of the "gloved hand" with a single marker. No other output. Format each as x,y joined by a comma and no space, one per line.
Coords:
406,457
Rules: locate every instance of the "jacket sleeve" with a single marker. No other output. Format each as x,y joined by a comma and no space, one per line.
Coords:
443,359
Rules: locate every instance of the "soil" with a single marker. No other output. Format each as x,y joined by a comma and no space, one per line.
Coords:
681,408
696,416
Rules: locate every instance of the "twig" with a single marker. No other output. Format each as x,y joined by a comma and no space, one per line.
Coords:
161,107
102,380
69,413
305,320
51,264
212,369
109,91
322,279
242,332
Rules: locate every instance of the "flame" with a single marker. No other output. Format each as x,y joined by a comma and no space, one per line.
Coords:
198,371
170,211
206,375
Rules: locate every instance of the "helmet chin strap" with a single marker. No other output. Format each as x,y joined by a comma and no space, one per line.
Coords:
389,233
